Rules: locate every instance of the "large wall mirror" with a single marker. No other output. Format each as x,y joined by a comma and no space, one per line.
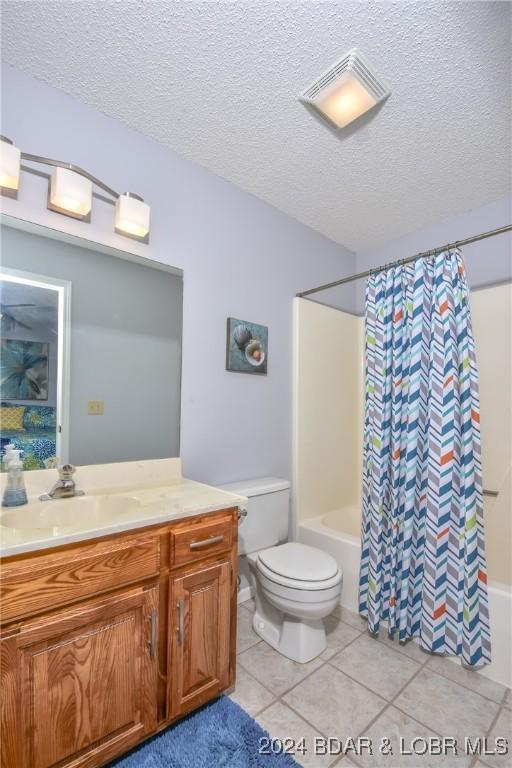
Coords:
90,351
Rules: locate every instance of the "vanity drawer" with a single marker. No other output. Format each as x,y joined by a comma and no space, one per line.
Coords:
39,583
199,540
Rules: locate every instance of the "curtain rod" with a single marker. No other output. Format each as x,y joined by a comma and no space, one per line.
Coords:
424,254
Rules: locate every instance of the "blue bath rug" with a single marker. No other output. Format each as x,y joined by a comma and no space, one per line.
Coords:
219,735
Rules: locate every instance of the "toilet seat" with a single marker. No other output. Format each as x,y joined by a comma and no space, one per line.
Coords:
299,567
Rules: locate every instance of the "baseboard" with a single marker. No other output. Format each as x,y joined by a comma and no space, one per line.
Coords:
245,593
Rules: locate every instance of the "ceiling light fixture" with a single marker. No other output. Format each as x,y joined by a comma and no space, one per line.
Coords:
10,161
71,189
346,91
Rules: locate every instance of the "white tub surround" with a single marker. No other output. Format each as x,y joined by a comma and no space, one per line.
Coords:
327,532
118,497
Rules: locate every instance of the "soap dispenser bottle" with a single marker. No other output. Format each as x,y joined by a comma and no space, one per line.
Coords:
8,455
14,494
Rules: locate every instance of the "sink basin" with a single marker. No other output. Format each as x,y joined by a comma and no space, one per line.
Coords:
70,513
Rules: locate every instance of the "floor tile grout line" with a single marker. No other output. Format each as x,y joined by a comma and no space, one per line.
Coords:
383,642
249,647
356,629
296,712
279,695
389,704
285,693
495,719
253,677
422,665
358,682
411,717
258,712
323,663
367,687
392,703
348,624
399,647
386,703
471,690
301,717
395,650
462,685
264,709
487,734
429,657
336,653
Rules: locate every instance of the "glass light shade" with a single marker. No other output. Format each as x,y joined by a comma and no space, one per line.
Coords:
346,102
10,159
132,216
70,193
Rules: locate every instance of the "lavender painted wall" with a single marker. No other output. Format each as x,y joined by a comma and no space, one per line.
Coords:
240,257
487,261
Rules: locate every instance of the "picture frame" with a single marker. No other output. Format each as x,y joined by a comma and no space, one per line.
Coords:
24,369
246,347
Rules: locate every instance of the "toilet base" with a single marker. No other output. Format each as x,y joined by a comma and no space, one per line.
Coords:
298,639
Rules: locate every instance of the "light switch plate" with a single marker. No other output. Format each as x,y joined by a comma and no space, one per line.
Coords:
95,407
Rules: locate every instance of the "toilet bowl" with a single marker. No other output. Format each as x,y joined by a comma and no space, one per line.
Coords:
296,586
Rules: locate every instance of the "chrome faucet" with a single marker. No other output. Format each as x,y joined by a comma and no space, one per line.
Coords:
64,488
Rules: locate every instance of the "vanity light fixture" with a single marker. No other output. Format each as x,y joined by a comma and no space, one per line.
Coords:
346,91
10,161
70,193
132,216
71,189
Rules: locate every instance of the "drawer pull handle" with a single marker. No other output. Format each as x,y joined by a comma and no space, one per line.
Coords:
206,542
152,639
181,619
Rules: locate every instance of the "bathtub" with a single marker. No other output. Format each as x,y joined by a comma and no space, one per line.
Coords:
338,533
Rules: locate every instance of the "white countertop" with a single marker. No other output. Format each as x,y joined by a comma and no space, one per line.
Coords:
159,494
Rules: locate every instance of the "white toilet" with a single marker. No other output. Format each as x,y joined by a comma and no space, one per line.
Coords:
295,586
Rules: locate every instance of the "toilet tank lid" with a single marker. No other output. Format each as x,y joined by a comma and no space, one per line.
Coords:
257,487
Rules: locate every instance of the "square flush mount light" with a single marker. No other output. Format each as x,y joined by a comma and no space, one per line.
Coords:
70,193
346,91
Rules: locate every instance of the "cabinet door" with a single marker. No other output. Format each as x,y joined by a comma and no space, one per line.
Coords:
86,683
200,636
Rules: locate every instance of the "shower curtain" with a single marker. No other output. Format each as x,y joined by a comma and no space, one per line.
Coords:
423,567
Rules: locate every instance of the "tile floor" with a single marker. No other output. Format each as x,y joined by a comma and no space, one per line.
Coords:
362,687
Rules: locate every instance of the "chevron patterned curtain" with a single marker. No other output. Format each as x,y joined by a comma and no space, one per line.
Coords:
423,567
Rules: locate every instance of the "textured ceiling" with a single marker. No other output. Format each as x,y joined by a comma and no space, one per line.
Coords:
217,81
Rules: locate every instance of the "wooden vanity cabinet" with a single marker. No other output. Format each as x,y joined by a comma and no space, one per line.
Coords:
200,647
84,679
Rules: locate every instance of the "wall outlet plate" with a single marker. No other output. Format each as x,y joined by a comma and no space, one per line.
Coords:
95,407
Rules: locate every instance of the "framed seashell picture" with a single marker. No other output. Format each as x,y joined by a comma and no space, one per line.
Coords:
246,347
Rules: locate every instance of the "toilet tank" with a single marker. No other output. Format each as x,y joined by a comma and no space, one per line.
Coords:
268,509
